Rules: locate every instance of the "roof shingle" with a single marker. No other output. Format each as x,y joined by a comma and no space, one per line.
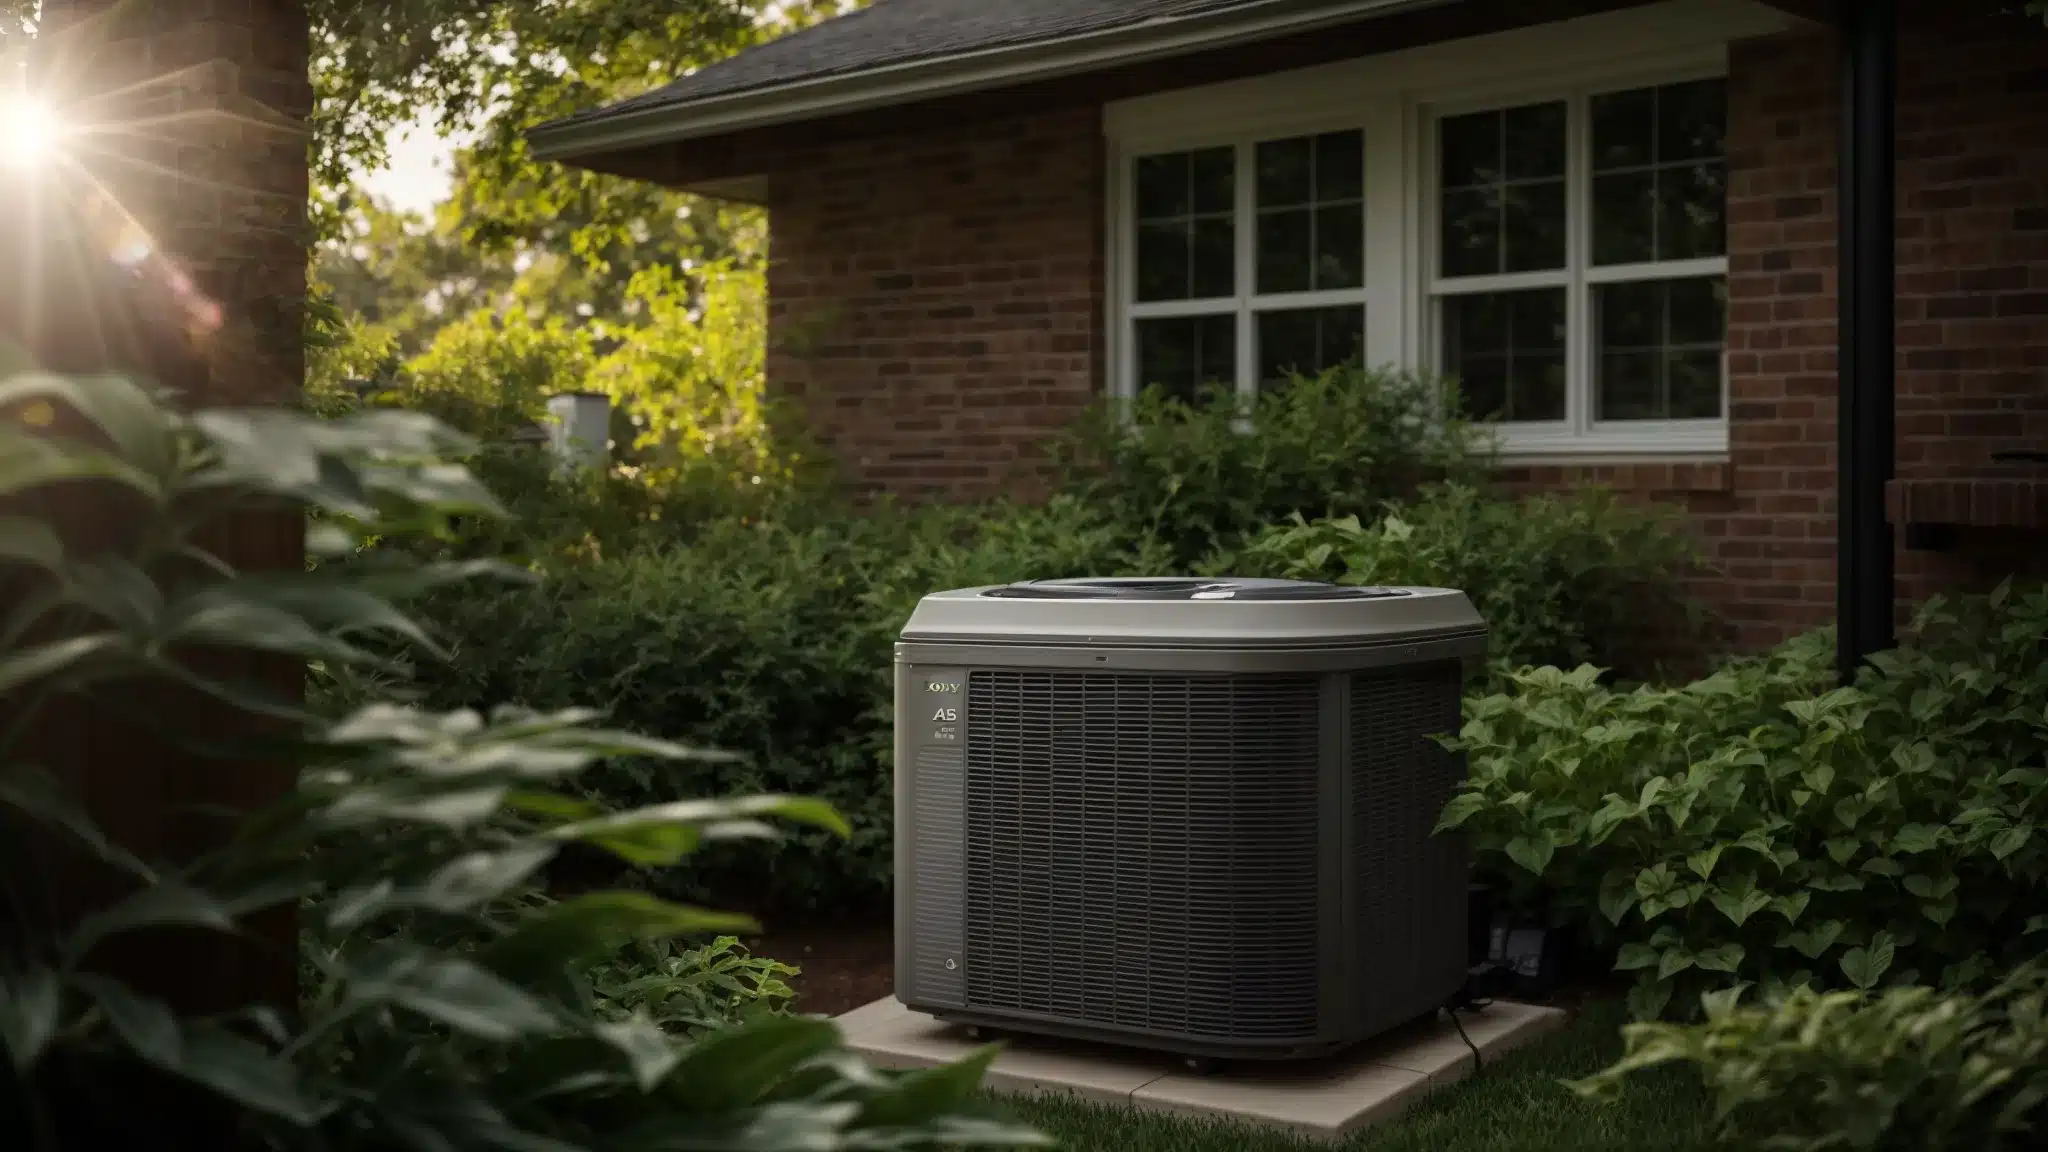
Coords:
892,32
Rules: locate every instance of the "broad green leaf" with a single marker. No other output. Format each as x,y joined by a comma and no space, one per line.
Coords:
30,1001
461,994
145,1025
1722,1001
36,793
661,835
55,659
1879,866
1842,849
1461,808
1531,852
1739,906
1792,907
647,1049
31,542
1648,998
1818,777
30,462
1702,862
480,877
575,930
1916,838
1634,955
246,1074
1720,958
1929,888
1814,940
927,1093
1617,896
732,1069
2036,924
168,903
136,423
1866,966
1674,961
2011,840
1653,788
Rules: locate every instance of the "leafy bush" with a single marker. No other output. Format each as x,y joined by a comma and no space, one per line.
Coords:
1560,579
1201,478
691,990
1908,1069
444,1010
1757,827
768,638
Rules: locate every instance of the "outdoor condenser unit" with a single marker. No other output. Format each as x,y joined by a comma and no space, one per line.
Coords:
1189,815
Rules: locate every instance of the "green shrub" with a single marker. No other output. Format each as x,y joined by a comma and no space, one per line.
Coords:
1201,478
1560,579
1757,827
771,640
446,1005
689,991
1909,1069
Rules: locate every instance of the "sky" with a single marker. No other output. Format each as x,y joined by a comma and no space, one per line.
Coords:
416,177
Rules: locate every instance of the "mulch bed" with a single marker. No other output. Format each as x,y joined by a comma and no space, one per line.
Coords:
843,967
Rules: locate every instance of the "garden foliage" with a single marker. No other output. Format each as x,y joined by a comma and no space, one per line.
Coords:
1761,827
1559,578
448,1003
770,631
1902,1070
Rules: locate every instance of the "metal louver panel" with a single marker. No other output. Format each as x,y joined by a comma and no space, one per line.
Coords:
938,798
1407,879
1142,851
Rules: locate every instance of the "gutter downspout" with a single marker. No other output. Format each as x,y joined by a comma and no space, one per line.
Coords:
1864,576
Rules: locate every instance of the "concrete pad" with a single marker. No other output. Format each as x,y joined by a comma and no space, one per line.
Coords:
1323,1099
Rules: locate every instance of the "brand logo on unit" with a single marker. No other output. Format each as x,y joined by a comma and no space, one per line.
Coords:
946,715
941,686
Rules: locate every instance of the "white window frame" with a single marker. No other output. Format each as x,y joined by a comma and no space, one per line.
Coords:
1579,431
1395,98
1245,303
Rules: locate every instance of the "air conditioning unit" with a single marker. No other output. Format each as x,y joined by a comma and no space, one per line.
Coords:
1185,815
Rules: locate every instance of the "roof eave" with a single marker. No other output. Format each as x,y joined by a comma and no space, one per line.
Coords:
570,141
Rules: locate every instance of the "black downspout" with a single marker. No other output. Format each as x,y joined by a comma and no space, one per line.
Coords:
1864,558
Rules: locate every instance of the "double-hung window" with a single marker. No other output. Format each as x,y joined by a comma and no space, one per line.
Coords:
1246,262
1578,278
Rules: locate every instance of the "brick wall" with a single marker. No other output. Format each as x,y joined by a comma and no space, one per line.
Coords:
936,298
934,304
1972,311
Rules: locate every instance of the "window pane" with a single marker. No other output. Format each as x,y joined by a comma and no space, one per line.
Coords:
1503,192
1535,227
1340,247
1658,354
1213,176
1162,186
1507,349
1163,261
1471,147
1471,232
1340,166
1215,257
1182,354
1692,121
1285,251
1285,176
1692,212
1535,142
1625,129
1308,341
1624,218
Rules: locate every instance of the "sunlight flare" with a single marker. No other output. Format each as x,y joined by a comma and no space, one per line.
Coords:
31,133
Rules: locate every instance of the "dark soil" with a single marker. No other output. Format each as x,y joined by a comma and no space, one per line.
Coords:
842,967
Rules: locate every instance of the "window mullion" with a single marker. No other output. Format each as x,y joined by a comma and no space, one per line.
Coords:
1581,404
1244,234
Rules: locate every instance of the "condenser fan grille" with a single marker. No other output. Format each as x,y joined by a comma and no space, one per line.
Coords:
1141,851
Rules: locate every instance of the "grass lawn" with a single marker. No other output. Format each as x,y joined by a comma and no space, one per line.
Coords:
1516,1105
